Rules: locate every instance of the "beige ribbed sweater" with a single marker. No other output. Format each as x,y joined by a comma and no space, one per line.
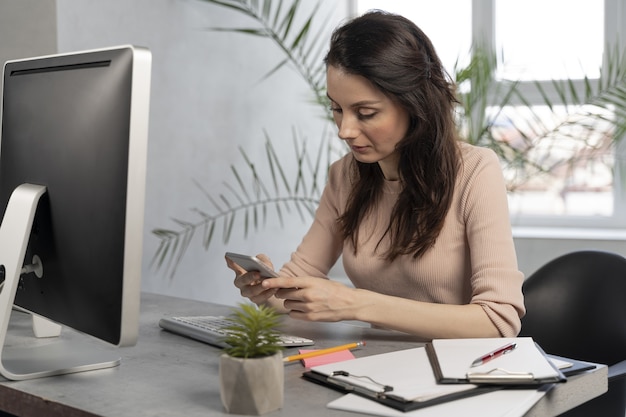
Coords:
473,260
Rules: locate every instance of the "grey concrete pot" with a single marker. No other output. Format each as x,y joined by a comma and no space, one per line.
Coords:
252,386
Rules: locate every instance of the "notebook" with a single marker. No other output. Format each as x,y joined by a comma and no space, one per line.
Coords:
525,364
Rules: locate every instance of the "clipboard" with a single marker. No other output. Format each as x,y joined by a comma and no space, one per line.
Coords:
571,367
526,365
403,380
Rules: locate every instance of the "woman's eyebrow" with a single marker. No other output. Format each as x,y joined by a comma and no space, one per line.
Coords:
358,103
365,103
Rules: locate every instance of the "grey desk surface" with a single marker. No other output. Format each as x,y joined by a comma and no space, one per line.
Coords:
169,375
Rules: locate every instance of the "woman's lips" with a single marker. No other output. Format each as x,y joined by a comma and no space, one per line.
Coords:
359,149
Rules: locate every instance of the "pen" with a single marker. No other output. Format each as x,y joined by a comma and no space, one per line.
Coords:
494,354
323,351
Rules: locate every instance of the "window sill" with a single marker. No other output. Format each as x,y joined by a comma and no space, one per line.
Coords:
569,233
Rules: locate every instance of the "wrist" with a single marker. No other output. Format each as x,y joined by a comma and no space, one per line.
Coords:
364,305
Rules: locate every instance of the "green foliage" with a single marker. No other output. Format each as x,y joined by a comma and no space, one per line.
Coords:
254,332
303,49
249,200
542,138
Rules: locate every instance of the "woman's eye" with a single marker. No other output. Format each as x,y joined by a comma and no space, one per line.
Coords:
335,109
364,115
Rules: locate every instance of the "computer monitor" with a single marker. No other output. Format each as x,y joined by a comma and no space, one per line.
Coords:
73,150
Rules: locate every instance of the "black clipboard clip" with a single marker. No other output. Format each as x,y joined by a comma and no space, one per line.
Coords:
348,386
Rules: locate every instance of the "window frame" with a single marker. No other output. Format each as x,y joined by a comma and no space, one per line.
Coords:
483,30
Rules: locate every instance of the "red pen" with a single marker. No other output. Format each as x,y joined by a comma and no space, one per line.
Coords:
495,354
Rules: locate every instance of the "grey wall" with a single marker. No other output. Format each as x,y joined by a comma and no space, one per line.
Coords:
27,28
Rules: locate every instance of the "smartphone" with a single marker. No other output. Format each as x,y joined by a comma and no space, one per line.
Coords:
251,263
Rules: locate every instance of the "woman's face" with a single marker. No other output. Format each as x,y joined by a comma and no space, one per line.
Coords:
369,121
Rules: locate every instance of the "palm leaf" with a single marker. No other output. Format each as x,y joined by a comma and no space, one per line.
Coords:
248,196
591,115
302,49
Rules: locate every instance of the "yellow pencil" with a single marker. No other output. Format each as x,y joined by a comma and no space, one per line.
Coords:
323,351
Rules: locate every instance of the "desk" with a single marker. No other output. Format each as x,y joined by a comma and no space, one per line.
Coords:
169,375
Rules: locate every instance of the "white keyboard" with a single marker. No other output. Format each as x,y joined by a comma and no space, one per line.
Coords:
210,329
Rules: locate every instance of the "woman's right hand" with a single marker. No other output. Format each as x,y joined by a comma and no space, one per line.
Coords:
249,282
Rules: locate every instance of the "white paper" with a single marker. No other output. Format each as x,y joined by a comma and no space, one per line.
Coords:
408,371
455,357
501,403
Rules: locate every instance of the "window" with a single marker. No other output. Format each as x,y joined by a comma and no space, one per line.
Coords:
449,38
538,41
543,40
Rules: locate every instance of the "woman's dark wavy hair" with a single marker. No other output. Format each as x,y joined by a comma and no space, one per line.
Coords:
399,59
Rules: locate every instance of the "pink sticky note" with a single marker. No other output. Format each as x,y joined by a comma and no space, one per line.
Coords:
342,355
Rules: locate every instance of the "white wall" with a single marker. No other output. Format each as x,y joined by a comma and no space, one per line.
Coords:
537,246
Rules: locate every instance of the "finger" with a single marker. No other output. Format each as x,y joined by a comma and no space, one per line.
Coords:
232,265
283,282
252,278
289,293
262,297
254,291
266,260
295,305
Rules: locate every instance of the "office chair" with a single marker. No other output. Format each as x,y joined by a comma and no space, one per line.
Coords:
576,307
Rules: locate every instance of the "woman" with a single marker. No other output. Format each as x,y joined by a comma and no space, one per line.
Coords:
419,218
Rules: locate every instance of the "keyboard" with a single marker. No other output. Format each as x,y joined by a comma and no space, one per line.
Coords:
210,329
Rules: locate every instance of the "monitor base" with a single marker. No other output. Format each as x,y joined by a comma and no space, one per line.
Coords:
57,358
36,358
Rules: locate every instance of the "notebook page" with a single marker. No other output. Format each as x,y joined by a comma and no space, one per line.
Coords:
455,357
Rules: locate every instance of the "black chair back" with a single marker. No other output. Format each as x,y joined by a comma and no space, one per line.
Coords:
576,307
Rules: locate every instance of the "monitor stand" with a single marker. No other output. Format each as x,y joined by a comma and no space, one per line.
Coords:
36,358
44,327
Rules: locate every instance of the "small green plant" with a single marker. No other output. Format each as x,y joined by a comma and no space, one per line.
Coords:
254,332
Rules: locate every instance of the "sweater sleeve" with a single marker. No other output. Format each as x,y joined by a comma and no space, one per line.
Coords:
496,281
321,246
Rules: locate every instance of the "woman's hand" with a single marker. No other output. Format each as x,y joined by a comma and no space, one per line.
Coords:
319,299
248,282
313,298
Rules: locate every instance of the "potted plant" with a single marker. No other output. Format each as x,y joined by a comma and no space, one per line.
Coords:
251,367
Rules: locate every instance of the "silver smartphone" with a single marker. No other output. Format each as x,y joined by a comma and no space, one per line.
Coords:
251,263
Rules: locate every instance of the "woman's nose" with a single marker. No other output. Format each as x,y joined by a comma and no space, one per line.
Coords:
348,128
